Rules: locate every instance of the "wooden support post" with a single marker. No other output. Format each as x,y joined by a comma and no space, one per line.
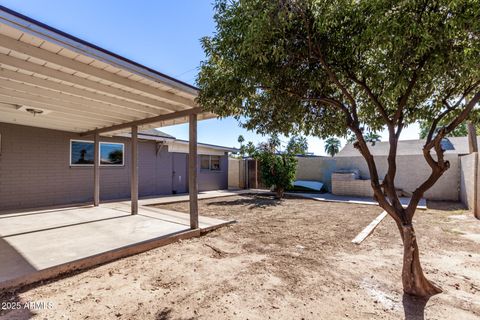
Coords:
256,174
96,170
134,168
192,171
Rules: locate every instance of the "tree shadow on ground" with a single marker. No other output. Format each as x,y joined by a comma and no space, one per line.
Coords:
414,307
446,205
166,314
13,307
253,202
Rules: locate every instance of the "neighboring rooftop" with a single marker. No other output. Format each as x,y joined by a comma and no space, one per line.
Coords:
451,145
157,135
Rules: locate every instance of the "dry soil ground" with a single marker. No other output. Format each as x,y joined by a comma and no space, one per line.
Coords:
289,259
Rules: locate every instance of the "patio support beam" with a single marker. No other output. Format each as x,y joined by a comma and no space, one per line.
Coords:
163,117
192,171
96,171
134,168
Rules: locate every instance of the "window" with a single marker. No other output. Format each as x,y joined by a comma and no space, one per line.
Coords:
205,162
111,154
215,163
211,163
82,153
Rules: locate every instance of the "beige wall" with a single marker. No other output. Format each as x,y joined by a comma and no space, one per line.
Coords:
357,188
236,173
412,170
316,168
467,182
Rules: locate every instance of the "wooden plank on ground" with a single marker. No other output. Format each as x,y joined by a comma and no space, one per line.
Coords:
369,229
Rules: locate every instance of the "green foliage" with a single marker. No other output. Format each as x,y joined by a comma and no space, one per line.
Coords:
372,137
248,150
277,170
240,140
460,131
332,146
273,61
297,145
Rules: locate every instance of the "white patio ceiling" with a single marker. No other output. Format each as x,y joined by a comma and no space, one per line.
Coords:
78,86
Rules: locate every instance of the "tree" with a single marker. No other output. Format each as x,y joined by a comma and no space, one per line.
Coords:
460,131
249,149
332,146
325,67
278,168
297,145
240,140
372,137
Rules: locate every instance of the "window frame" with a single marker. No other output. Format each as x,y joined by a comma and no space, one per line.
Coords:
210,163
204,169
219,163
112,165
99,151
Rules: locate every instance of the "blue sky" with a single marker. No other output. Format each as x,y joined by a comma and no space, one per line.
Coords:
163,35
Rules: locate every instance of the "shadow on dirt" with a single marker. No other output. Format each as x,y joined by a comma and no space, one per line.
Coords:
446,205
13,307
166,314
253,202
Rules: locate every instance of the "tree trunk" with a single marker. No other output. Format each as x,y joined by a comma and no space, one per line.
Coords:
414,281
279,193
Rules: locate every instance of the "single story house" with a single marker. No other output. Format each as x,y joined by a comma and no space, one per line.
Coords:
352,176
44,167
75,121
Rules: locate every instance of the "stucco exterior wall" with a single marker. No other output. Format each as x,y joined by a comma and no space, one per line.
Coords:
412,170
214,180
234,173
35,170
316,168
467,182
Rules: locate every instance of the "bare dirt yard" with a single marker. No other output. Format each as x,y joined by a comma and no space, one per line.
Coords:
289,259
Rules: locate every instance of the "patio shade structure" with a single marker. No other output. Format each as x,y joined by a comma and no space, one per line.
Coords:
50,79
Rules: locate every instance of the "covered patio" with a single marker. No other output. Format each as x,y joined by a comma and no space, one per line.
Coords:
40,244
52,80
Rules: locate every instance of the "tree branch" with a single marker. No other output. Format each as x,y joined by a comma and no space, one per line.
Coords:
363,84
440,165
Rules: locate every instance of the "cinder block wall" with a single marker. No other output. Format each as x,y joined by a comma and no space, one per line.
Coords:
412,170
234,173
356,188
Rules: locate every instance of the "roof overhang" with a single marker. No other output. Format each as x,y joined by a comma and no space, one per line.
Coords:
53,80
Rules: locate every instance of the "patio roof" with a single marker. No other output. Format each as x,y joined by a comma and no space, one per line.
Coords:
53,80
50,79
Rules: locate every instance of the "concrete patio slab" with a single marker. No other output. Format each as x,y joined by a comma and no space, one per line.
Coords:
38,245
201,195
